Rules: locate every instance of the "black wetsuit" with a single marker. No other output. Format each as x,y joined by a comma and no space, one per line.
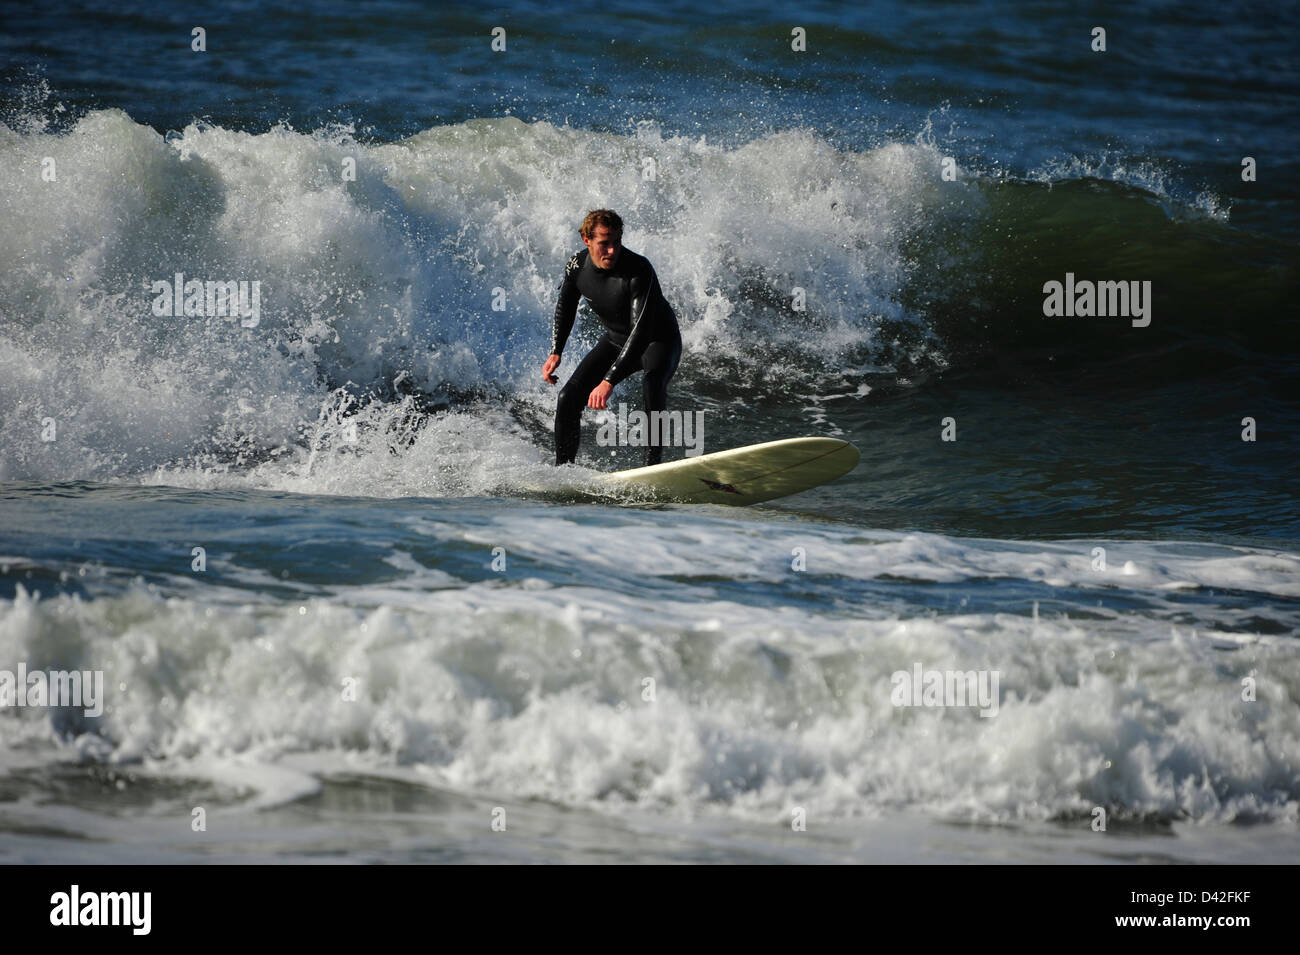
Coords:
641,334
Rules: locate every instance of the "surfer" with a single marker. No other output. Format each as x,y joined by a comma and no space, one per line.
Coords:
641,332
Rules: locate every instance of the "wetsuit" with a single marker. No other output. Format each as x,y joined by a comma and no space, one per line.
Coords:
641,334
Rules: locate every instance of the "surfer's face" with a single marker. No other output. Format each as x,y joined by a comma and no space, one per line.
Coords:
604,247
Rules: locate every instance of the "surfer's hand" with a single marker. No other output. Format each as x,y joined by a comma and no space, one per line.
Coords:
548,369
600,396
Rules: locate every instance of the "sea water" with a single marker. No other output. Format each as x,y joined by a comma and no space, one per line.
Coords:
336,619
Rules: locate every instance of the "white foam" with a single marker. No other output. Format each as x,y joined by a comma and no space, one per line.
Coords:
390,279
537,691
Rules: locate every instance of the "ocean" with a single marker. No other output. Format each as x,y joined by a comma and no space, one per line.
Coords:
341,605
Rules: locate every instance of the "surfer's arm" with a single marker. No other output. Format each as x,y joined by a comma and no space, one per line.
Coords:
566,306
641,286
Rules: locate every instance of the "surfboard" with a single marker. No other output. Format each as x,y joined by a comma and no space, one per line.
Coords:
748,475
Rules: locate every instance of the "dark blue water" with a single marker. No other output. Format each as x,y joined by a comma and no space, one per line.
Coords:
1123,164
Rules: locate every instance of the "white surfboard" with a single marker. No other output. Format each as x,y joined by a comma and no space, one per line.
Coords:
748,475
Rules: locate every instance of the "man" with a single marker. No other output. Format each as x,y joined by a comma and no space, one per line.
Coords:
641,331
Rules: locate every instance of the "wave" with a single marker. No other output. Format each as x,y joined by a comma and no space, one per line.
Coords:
538,691
378,292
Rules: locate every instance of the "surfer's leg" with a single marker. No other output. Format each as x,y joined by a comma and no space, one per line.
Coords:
658,362
574,395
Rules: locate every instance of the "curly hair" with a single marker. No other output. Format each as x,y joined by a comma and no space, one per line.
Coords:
601,217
